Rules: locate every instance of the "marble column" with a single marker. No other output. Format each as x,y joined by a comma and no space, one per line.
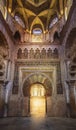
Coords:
5,105
9,71
67,92
68,99
75,92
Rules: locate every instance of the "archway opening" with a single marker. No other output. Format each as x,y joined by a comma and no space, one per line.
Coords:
37,100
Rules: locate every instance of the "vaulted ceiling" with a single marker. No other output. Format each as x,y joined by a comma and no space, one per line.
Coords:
36,13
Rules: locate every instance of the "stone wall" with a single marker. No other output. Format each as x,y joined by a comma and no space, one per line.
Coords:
68,62
56,106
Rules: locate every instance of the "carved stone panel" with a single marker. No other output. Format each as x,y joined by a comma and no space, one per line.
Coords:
39,65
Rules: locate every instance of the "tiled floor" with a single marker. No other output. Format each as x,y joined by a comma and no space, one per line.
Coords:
37,123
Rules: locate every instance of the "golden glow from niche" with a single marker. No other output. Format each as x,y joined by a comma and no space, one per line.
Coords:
37,90
37,38
37,100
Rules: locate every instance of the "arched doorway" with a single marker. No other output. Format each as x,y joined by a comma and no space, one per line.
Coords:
37,100
37,89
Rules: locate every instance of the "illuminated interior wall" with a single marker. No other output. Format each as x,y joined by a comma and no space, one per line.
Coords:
37,106
37,100
37,38
37,90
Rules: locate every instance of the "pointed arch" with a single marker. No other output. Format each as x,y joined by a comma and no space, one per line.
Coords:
37,20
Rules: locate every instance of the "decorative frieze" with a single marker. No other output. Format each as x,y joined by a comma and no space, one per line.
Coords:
37,54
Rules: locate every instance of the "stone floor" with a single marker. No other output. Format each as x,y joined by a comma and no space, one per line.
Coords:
37,123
